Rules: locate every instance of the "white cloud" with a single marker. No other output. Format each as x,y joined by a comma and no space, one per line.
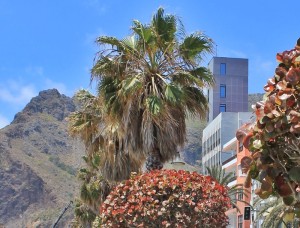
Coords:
16,93
3,121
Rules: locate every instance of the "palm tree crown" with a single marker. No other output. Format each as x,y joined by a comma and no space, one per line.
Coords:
149,82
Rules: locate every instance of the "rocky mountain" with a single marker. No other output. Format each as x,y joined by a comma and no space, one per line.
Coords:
253,98
191,152
38,163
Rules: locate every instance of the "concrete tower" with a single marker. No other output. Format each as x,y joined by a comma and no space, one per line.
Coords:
230,93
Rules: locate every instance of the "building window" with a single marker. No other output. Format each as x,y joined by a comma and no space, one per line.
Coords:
222,91
208,95
240,221
223,69
233,198
222,107
240,196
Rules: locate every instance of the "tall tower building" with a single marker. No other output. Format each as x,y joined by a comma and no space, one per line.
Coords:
228,107
230,93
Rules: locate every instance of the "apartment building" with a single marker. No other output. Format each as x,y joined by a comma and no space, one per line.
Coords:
237,217
218,132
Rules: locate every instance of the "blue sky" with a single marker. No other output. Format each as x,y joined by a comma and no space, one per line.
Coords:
50,43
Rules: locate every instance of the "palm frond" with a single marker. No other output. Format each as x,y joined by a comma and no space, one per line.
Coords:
131,84
164,26
144,32
154,105
194,46
195,101
109,40
219,174
204,75
173,94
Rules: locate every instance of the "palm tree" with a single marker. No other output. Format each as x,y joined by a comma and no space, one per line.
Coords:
224,179
148,83
274,213
90,125
94,188
102,137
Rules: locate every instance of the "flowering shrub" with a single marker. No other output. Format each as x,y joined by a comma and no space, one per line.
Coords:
166,198
274,138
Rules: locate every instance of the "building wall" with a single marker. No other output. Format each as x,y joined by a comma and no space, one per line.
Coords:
235,81
233,213
242,152
222,129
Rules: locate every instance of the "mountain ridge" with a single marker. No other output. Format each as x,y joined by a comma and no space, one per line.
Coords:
38,163
39,160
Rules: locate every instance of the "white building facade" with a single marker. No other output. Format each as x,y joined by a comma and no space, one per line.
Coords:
218,132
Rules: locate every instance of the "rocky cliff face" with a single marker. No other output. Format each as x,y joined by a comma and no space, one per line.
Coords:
38,163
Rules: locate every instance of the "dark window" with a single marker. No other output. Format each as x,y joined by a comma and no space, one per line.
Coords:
240,221
222,91
223,69
240,196
233,198
222,107
247,213
208,95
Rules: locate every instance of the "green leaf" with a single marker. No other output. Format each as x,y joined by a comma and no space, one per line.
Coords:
131,84
294,174
288,200
204,75
143,31
195,44
83,170
85,158
154,104
173,94
164,26
108,40
96,160
130,42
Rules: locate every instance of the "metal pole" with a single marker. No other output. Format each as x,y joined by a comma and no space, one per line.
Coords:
61,214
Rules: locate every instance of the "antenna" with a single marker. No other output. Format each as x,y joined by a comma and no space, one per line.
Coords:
216,50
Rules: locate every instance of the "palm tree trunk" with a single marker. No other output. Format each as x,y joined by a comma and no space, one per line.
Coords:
154,160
